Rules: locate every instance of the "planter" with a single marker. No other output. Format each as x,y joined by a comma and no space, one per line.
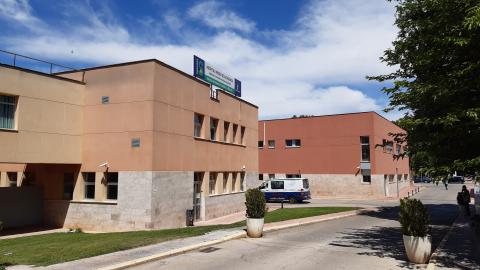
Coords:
255,227
418,249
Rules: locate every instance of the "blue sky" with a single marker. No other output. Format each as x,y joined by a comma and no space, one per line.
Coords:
293,57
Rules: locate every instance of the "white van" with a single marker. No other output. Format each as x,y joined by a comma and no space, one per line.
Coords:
291,189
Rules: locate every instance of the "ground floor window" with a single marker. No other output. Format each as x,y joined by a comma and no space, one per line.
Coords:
112,185
293,176
260,176
234,182
271,176
366,176
68,186
89,185
212,183
225,182
12,179
242,181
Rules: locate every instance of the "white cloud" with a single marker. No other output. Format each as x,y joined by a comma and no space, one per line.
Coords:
334,43
213,14
19,11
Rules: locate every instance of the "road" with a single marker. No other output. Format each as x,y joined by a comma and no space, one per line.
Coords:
369,241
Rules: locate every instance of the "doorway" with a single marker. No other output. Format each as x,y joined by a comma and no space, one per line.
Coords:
197,195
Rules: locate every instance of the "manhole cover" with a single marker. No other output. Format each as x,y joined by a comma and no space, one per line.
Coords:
209,249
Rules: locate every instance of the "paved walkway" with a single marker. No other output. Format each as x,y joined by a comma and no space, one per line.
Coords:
461,249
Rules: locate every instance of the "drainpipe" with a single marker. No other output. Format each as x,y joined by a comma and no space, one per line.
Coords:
396,176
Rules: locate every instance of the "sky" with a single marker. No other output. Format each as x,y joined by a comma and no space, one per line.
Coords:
293,57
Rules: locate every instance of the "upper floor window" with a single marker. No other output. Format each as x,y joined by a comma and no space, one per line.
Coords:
260,144
271,144
293,143
365,144
399,149
213,129
198,123
242,135
8,105
226,127
234,133
388,146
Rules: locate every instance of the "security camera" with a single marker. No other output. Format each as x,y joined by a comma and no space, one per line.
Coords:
103,165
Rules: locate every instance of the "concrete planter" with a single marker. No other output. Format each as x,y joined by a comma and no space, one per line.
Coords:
255,227
418,249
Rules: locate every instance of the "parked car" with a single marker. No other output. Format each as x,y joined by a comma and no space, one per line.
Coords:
422,179
291,189
457,179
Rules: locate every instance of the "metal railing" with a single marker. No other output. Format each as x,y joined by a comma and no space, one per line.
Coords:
15,57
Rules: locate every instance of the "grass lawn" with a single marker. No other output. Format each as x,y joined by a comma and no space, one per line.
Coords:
55,248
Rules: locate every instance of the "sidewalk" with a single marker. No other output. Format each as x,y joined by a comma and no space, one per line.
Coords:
136,256
461,247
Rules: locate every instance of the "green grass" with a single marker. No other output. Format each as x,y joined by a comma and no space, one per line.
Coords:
42,250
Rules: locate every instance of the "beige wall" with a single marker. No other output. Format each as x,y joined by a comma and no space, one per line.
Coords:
49,119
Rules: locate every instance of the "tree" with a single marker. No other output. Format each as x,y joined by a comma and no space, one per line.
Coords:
436,83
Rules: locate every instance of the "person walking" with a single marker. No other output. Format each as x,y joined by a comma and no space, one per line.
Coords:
463,198
445,182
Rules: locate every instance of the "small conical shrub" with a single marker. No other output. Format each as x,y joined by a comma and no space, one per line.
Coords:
256,204
414,218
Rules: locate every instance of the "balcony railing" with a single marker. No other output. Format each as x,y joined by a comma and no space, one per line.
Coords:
26,62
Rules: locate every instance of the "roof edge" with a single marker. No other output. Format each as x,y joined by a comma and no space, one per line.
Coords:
42,74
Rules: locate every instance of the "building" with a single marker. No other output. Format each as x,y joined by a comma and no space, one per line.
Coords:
130,146
342,155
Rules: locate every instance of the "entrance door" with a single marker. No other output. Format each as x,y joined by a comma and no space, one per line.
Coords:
197,195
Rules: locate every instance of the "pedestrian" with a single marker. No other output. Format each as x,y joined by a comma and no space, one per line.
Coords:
464,199
445,182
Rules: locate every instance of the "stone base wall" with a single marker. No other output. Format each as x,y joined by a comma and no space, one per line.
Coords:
350,185
146,200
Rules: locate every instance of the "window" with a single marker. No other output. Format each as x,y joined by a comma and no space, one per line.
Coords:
198,123
212,183
388,146
271,176
68,186
234,133
366,176
405,177
89,183
260,144
242,181
271,144
225,182
112,185
213,129
234,182
399,178
399,149
242,135
293,176
226,126
365,144
8,106
12,179
390,178
277,184
292,143
306,184
260,176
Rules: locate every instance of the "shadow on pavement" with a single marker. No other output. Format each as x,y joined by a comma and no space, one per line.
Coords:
388,241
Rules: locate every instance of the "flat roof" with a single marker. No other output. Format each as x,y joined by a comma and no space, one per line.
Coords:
328,115
160,63
53,76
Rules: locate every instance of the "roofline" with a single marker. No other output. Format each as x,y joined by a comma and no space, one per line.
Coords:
331,115
160,63
41,74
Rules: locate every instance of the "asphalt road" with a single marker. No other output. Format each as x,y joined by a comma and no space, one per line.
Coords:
370,241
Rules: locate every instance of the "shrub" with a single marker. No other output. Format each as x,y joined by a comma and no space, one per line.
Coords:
255,202
414,218
1,227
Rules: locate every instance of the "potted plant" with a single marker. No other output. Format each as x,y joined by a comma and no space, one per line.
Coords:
415,222
256,209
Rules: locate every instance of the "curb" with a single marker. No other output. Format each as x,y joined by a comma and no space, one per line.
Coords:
432,264
238,235
173,252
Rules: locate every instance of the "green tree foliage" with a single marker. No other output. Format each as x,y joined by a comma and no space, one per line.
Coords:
414,218
256,204
436,57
